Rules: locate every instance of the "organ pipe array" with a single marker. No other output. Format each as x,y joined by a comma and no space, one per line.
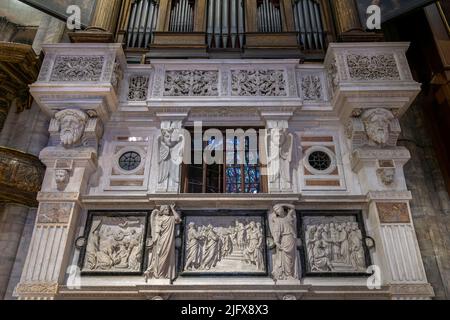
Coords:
225,27
182,16
269,16
308,22
143,19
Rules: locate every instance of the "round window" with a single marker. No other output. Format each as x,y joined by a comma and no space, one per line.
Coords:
319,160
129,161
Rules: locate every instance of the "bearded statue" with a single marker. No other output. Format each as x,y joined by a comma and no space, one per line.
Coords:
377,125
72,124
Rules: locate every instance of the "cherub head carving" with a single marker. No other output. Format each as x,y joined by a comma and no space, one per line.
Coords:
377,125
386,175
62,178
72,124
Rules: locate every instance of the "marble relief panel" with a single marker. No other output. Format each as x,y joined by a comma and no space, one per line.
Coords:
224,245
114,243
334,244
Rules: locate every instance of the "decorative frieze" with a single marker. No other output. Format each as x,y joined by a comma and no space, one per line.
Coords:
54,213
37,289
262,83
191,83
393,212
372,67
311,87
138,88
77,68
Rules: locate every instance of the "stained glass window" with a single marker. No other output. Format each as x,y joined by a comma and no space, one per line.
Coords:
239,173
130,161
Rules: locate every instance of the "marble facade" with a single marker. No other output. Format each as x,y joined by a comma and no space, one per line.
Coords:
341,116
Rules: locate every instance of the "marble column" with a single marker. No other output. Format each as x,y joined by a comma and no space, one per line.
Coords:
12,222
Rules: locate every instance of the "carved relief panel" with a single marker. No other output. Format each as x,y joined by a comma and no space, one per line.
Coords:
334,243
219,243
114,243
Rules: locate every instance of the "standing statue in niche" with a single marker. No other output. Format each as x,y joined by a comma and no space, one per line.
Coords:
162,262
282,222
280,144
171,149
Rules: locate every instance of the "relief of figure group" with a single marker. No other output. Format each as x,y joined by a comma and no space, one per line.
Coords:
217,249
335,247
115,247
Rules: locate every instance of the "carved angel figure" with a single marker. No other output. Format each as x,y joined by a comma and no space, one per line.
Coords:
282,223
162,262
279,158
171,149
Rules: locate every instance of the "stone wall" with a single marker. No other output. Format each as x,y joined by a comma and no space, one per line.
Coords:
431,203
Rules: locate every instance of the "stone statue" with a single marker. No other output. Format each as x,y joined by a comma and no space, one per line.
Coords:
171,149
192,247
282,222
162,262
377,125
280,144
253,253
61,178
72,123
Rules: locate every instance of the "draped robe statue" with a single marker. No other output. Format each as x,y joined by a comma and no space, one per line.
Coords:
171,149
162,262
192,247
282,222
280,145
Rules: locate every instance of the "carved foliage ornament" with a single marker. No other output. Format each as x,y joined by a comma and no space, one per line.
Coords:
138,88
373,67
72,124
76,68
258,83
311,87
191,83
54,213
393,212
